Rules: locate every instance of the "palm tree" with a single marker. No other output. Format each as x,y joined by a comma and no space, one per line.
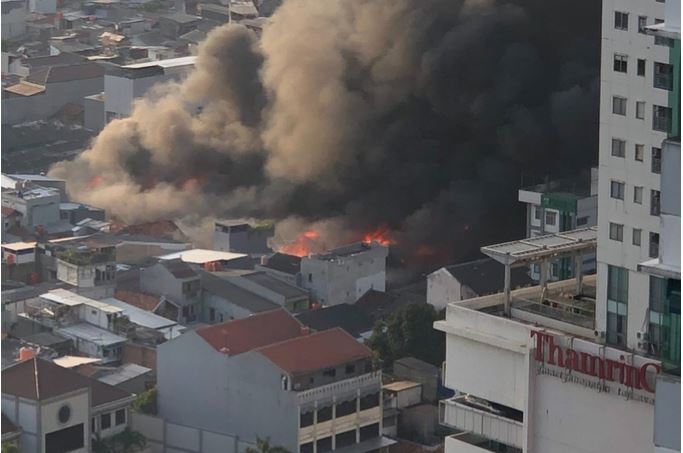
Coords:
264,446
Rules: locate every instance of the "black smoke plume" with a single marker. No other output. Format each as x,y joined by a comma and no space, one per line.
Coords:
416,115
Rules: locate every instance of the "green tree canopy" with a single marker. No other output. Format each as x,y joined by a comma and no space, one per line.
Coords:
264,446
409,333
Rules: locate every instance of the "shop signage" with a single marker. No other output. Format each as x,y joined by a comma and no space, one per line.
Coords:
553,359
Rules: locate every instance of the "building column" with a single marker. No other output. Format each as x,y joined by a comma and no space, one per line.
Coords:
507,302
578,263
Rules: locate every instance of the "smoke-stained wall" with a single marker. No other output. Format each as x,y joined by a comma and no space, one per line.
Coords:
418,115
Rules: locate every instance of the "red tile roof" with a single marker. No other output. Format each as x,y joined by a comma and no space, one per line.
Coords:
316,351
243,335
9,211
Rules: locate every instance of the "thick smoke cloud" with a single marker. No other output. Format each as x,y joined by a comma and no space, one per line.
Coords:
421,115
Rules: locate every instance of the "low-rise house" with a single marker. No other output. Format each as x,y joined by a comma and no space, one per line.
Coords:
282,266
268,376
471,279
180,286
129,377
174,25
396,396
241,237
344,274
60,410
291,297
147,319
49,90
416,370
223,300
345,316
76,212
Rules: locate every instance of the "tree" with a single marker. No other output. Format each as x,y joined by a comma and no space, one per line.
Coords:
264,446
146,402
409,332
10,447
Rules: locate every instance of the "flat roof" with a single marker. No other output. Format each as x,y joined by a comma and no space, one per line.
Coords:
139,316
399,386
168,63
201,256
71,361
543,247
124,373
71,299
91,333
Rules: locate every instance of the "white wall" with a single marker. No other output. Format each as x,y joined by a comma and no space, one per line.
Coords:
14,23
442,288
80,413
43,6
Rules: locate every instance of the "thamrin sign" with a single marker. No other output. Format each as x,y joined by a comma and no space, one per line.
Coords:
593,371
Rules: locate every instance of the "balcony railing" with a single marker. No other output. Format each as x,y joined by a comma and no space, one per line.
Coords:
454,413
373,379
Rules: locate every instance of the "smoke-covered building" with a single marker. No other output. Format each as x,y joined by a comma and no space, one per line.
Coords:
344,274
557,206
241,237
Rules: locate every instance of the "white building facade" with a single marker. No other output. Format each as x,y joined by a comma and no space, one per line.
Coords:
636,114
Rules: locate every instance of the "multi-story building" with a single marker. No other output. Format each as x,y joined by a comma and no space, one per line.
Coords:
639,90
344,274
557,206
270,376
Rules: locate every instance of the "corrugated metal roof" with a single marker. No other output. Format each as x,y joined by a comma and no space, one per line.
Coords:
139,316
91,333
201,256
124,373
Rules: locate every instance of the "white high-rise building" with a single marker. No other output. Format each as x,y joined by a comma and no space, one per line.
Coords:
590,364
637,107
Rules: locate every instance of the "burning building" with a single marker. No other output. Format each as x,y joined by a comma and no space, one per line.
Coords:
344,274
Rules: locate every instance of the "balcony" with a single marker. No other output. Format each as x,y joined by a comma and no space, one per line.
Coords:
456,413
346,386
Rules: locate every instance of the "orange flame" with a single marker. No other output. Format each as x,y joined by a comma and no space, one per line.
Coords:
95,182
303,245
381,235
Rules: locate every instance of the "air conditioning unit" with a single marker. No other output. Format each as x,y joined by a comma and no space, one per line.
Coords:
643,345
642,335
599,333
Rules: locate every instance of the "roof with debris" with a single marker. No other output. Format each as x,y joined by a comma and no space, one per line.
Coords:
348,317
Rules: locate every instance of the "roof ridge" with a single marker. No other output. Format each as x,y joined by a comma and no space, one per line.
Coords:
299,337
35,373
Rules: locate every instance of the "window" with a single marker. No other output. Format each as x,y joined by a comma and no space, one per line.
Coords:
550,218
618,147
638,194
67,439
656,160
664,76
654,245
665,307
345,439
369,432
324,414
310,278
641,67
661,40
640,152
330,372
306,419
636,236
640,110
655,197
350,369
93,428
616,231
212,314
618,105
661,118
120,417
105,421
369,401
617,304
537,212
306,448
345,408
580,221
642,23
620,20
617,190
323,445
620,63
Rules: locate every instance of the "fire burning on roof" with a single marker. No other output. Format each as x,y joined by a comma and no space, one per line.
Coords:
380,235
304,245
311,241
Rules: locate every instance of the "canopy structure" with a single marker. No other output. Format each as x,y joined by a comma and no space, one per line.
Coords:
543,249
